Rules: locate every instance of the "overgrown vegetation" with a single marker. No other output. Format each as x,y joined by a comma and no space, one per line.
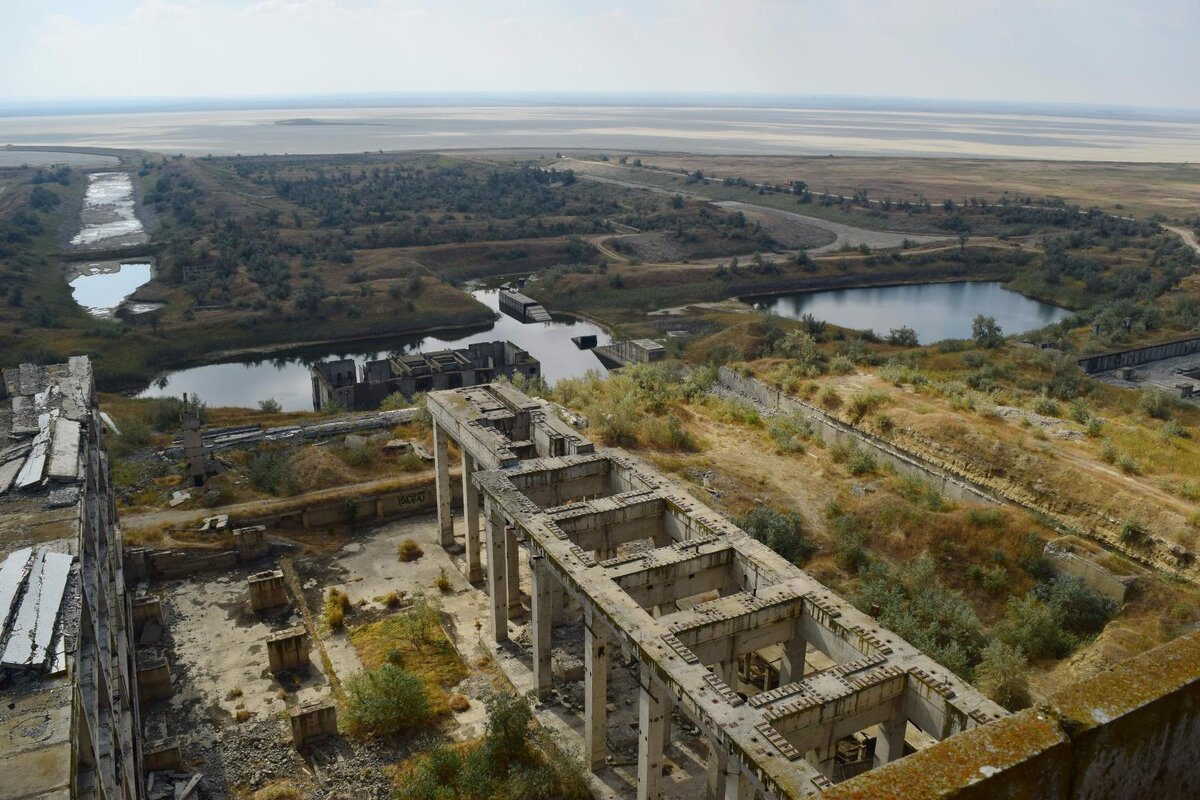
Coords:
512,760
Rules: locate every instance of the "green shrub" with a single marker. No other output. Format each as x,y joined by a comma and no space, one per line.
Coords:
920,492
1173,430
1156,403
1003,675
782,531
1129,465
513,761
270,406
387,701
1084,610
269,471
829,399
359,456
915,605
863,403
1045,406
861,463
1109,452
841,365
789,432
1036,628
1094,427
849,544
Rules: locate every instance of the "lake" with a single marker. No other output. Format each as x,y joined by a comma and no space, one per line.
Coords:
285,376
935,311
104,286
804,126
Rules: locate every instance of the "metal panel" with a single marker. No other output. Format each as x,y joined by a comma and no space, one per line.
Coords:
32,631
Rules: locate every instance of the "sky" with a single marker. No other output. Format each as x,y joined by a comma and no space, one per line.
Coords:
1098,52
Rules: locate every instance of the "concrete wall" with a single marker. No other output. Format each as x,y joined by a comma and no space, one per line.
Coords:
1131,732
1103,362
831,429
1063,559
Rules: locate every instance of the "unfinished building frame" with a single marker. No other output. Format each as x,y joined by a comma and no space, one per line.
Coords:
661,576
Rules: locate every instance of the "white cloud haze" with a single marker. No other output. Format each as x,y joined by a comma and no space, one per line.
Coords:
1083,51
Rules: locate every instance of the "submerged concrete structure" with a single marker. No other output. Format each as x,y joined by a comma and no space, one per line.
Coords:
69,709
343,384
659,575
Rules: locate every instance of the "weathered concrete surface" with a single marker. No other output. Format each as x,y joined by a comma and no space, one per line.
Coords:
1131,732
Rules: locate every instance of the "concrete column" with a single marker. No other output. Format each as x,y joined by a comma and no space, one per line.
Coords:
595,690
441,463
650,737
737,785
540,600
718,761
558,603
512,555
795,650
496,573
668,704
889,744
471,514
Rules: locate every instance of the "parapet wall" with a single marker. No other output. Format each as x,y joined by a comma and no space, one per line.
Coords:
1130,732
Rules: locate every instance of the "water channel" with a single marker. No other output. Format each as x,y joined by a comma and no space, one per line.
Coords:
285,377
935,311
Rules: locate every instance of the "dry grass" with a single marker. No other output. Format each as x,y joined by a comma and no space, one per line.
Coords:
337,603
429,655
458,703
280,790
408,550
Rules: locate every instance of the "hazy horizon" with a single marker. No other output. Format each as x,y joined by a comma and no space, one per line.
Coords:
1109,53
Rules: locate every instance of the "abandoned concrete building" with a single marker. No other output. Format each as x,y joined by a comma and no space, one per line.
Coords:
346,385
695,600
69,716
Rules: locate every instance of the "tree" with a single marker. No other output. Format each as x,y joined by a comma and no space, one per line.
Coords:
1003,675
986,332
677,201
799,187
903,336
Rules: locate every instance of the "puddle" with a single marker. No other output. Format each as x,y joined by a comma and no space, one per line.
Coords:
109,217
101,287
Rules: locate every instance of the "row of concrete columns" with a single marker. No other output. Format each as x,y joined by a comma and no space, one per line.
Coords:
548,600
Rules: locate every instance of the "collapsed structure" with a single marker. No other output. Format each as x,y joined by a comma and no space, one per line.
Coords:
69,715
342,384
691,596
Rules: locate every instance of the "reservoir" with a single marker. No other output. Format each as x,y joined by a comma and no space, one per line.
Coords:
935,311
102,287
285,377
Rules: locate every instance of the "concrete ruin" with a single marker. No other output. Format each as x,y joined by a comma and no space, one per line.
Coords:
342,383
267,590
69,708
287,650
522,308
251,542
661,576
312,722
630,351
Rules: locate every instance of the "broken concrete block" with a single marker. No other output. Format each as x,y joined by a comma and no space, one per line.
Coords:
313,721
154,681
354,440
565,666
251,542
161,756
178,498
288,649
267,590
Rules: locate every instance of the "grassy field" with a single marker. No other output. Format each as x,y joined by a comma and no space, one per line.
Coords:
1172,190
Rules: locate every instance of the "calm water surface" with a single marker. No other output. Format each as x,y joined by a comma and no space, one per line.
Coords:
100,292
285,377
935,311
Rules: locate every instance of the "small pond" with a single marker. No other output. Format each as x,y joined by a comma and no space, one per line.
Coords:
285,376
935,311
102,287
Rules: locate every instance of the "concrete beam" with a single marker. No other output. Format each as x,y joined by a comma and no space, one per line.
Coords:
669,574
604,524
